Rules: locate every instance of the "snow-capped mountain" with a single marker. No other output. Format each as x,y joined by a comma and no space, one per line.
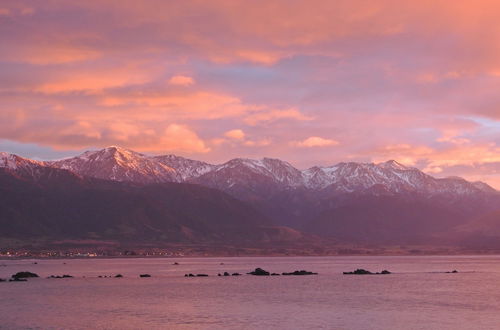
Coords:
15,162
361,202
119,164
241,172
186,169
393,176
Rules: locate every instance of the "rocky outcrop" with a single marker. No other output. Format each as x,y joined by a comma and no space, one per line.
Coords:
361,271
25,274
60,276
259,272
300,272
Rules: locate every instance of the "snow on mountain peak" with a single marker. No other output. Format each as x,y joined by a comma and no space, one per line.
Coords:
185,168
392,164
120,164
14,162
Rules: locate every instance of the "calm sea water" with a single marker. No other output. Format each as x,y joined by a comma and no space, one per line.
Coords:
417,296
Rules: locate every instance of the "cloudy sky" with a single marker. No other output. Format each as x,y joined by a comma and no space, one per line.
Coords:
311,82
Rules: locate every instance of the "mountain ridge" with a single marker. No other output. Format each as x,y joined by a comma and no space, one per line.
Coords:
120,164
349,202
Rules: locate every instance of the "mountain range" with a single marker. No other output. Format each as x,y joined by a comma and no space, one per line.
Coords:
118,194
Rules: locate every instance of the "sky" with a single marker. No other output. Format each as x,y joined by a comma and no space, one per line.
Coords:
311,82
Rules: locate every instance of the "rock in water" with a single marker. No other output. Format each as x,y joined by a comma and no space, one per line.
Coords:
300,272
24,275
259,272
59,276
144,275
359,271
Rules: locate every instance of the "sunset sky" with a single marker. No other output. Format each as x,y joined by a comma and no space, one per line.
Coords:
310,82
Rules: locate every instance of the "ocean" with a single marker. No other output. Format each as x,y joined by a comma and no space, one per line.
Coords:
419,294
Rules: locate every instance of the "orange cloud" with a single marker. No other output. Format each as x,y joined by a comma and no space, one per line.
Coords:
266,115
438,159
257,143
181,138
50,55
316,141
236,134
181,81
95,79
187,105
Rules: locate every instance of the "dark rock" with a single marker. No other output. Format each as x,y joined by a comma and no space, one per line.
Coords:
118,275
300,272
202,275
452,272
2,280
100,276
175,263
144,275
59,276
24,275
226,274
18,279
359,271
236,274
259,272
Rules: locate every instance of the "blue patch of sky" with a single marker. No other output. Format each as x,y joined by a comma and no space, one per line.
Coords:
34,151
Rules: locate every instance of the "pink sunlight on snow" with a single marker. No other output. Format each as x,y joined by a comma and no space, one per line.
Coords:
310,82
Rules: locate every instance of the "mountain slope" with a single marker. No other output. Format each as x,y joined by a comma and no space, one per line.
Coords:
118,164
381,203
186,169
386,219
66,206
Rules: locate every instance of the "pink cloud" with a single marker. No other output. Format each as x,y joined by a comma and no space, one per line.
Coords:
266,115
316,141
181,138
236,134
181,81
417,81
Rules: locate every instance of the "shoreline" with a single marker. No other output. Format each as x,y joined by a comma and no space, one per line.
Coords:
467,254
